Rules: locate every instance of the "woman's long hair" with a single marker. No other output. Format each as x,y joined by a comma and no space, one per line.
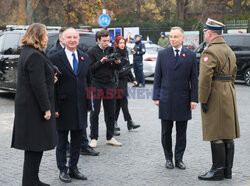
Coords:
117,40
34,36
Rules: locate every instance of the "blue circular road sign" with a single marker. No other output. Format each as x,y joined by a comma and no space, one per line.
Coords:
104,20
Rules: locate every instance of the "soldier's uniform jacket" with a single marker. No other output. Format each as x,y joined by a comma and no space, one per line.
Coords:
221,119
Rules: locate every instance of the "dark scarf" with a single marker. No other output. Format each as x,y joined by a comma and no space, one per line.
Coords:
123,52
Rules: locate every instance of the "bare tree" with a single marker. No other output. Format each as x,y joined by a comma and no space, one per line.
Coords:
180,10
29,10
237,7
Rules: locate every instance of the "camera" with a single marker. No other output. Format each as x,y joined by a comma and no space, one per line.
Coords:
113,56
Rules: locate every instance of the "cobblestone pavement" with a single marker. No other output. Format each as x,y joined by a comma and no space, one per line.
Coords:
140,161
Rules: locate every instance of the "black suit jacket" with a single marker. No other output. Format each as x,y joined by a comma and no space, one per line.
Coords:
71,91
34,95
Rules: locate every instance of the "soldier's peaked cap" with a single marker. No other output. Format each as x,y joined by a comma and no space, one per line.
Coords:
213,25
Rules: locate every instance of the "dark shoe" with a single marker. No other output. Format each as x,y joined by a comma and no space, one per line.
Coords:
169,164
218,157
89,151
42,184
67,154
116,133
180,165
229,149
116,126
135,85
64,177
212,175
77,175
132,125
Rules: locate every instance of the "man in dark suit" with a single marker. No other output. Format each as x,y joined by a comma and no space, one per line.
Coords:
85,148
176,94
72,105
59,43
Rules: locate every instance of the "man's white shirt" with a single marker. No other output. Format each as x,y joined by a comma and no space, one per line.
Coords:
70,57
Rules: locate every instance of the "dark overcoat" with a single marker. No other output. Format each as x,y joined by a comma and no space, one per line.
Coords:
175,84
34,95
57,47
124,74
71,91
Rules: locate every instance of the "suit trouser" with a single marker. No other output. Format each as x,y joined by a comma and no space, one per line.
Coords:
166,139
31,166
122,103
109,110
85,141
138,70
75,146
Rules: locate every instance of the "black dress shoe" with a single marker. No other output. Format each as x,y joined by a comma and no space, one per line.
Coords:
89,151
169,164
42,184
213,175
67,154
77,175
64,177
116,126
180,165
132,125
116,133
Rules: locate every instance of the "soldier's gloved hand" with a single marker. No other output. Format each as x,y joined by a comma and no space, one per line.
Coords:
204,107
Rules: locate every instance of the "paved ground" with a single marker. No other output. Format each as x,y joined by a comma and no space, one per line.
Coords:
140,161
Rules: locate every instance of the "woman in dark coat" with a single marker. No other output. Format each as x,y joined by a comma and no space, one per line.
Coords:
123,76
34,124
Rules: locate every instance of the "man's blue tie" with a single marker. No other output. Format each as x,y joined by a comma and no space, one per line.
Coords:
75,64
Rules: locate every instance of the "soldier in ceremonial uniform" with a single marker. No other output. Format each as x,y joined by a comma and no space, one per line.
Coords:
218,101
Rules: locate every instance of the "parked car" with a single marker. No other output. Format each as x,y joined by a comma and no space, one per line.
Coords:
240,44
10,49
149,58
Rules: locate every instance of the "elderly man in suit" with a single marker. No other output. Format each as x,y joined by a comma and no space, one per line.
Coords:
72,105
176,94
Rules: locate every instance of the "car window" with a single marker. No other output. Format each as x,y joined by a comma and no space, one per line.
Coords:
11,44
86,41
238,42
153,49
52,38
150,49
246,43
1,42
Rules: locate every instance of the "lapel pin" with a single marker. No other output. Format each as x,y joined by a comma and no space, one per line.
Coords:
183,55
82,58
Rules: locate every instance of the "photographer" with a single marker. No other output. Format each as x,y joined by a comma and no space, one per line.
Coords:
124,74
103,81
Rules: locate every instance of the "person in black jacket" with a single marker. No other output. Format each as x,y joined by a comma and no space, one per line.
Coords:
138,51
103,87
123,75
59,45
34,124
72,104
